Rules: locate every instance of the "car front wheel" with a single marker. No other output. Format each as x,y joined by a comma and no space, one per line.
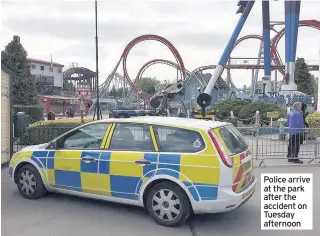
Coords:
30,183
168,204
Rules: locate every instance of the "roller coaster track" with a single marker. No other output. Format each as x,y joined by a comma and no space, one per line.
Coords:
277,62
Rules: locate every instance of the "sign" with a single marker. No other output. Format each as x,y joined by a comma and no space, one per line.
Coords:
286,201
273,114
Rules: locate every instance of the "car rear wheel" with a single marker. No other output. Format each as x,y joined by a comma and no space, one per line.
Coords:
168,204
30,183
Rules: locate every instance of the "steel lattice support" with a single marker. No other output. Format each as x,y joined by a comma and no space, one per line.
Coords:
125,54
84,75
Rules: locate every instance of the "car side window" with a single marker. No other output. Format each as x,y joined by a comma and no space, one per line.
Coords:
172,139
87,137
131,137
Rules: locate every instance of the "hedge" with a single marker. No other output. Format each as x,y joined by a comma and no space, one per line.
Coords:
45,131
34,111
314,120
223,108
249,110
64,121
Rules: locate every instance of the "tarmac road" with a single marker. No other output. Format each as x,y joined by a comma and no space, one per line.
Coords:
60,215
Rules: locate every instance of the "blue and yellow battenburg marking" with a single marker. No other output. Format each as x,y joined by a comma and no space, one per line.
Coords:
112,174
200,173
116,174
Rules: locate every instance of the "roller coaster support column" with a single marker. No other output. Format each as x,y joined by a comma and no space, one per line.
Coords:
292,12
266,44
204,99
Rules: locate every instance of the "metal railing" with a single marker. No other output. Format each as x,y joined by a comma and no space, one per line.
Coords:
44,79
269,145
276,144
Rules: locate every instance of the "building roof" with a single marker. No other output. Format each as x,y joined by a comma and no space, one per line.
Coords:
219,84
174,121
44,62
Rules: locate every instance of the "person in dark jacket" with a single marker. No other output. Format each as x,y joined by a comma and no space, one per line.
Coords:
296,126
304,114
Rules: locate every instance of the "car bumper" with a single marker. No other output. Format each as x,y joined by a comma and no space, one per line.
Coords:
227,200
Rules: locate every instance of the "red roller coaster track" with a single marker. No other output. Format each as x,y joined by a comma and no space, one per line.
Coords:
274,44
159,61
137,40
180,65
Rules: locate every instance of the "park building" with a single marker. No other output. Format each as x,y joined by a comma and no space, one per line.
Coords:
48,76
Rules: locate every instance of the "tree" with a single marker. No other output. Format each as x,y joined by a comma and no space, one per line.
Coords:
149,84
303,78
24,87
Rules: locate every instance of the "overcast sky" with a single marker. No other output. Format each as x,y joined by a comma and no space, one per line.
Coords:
200,32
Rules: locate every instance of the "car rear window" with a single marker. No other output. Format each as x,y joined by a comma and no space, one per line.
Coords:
171,139
233,139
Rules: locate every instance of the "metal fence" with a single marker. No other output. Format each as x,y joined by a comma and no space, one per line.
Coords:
274,145
269,145
38,135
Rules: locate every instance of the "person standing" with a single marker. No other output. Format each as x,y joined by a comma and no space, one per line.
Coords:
296,125
70,111
304,114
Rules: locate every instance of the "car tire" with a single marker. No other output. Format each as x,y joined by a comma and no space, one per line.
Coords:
168,204
30,183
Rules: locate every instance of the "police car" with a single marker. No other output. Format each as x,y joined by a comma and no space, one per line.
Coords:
171,166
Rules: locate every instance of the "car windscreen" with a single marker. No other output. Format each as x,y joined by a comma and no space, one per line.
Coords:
233,139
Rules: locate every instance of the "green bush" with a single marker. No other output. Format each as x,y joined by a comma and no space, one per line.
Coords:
34,111
45,133
250,109
63,121
224,108
314,119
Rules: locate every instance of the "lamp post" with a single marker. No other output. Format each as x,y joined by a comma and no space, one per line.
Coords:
265,80
97,66
287,105
140,93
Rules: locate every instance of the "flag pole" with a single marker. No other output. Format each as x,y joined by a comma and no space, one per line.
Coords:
97,66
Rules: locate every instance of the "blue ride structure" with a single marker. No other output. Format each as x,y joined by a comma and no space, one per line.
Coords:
292,12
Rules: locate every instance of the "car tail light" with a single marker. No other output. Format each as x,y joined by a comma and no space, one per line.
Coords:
224,157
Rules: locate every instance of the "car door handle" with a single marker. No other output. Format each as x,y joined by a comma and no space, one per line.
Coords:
88,159
143,162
